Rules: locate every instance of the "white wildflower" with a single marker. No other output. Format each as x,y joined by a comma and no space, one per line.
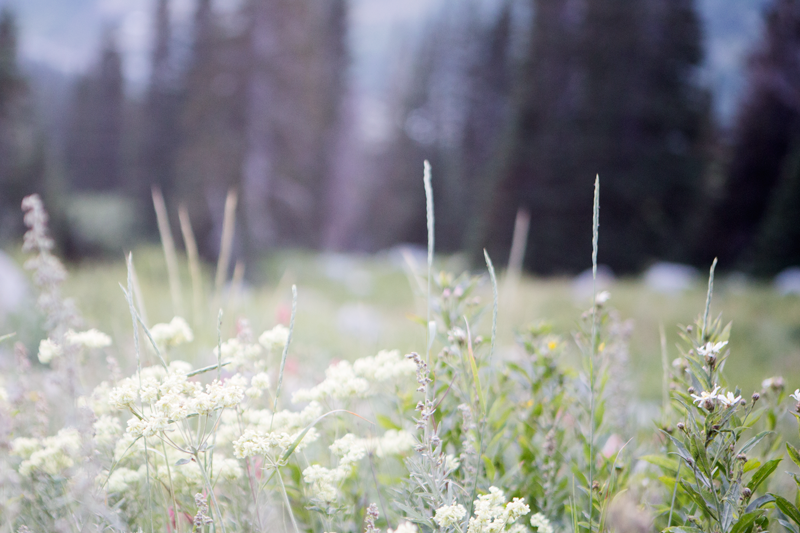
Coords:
451,462
24,446
404,527
89,339
350,448
711,348
395,442
176,332
602,297
260,381
275,338
227,468
728,399
705,395
340,382
238,353
121,478
323,481
541,523
48,350
123,395
796,395
178,367
449,515
136,427
388,364
106,430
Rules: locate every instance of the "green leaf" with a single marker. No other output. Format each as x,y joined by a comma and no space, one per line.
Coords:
794,455
664,462
759,502
787,508
751,464
752,442
386,423
763,473
489,465
698,499
475,377
183,461
6,336
745,521
683,529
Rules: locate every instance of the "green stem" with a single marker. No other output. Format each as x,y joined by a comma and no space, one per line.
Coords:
210,491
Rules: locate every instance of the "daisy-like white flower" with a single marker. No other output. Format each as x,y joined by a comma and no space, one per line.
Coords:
796,395
711,348
705,395
728,399
602,297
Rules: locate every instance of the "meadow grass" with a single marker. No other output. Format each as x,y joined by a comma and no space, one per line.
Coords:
765,335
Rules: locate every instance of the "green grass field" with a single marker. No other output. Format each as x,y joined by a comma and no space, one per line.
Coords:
352,306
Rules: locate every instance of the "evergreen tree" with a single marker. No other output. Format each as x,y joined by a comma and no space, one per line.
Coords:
210,126
753,220
537,165
21,146
159,142
608,87
94,140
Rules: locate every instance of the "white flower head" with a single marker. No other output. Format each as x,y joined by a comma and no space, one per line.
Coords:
449,515
796,395
275,338
728,399
404,527
48,350
602,297
705,395
91,339
711,348
176,332
541,523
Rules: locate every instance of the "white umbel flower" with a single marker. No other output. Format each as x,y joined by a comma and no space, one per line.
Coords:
541,523
449,515
92,339
404,527
176,332
275,338
48,350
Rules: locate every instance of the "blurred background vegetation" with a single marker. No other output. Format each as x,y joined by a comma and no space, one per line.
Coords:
320,113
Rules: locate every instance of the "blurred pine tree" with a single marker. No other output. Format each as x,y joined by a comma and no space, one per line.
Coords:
754,225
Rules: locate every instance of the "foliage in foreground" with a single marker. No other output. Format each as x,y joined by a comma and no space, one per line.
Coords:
464,436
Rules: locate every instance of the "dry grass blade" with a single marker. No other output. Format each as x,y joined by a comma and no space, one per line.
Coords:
137,292
169,250
193,256
226,245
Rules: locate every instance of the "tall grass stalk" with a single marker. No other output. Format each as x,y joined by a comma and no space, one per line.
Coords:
426,179
137,293
284,355
708,299
169,250
129,297
193,257
516,257
226,246
595,238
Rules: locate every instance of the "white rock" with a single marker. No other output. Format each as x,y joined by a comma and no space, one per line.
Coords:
583,284
13,286
670,277
788,281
